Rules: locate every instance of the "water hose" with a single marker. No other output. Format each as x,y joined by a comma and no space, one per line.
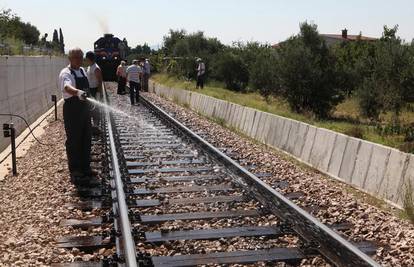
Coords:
30,132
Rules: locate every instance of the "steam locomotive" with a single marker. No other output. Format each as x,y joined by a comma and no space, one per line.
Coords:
109,52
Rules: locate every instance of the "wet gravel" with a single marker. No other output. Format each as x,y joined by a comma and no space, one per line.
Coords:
336,201
34,203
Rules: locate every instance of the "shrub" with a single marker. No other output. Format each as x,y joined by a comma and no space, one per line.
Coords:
307,73
230,69
356,132
263,72
409,201
407,147
390,81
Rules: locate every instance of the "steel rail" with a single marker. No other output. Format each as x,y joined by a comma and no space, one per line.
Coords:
317,235
122,209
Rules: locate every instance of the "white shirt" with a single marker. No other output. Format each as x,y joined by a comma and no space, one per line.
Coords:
121,71
201,68
66,78
93,81
147,68
133,72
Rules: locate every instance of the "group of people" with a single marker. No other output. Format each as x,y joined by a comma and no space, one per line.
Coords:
80,116
137,75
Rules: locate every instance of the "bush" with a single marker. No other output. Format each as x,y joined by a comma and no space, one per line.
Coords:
12,27
350,64
307,73
390,81
182,50
263,72
356,132
369,98
407,147
408,202
229,68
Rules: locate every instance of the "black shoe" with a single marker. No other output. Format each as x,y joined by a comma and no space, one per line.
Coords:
86,182
91,173
76,174
96,131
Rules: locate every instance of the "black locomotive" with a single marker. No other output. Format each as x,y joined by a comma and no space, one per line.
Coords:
109,52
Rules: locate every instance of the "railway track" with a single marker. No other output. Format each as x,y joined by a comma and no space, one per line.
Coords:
179,201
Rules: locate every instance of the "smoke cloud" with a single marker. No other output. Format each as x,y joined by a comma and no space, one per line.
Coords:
103,23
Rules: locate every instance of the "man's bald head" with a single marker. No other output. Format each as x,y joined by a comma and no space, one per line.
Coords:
75,57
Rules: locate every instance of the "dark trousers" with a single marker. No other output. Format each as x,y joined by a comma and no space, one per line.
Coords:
94,109
121,85
200,81
134,88
145,80
93,92
77,120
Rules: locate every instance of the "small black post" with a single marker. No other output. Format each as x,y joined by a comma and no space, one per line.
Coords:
13,148
9,131
54,99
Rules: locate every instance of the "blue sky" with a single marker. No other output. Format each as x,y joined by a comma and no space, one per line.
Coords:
266,21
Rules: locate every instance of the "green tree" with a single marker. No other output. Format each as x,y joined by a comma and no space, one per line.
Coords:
61,41
307,73
352,65
12,27
263,73
230,68
182,50
55,38
171,39
390,82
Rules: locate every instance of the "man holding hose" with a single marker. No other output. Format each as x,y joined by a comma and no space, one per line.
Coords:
77,118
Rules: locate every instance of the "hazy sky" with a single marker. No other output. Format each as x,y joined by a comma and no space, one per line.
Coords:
268,21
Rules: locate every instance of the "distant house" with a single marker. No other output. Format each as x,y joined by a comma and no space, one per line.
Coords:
332,39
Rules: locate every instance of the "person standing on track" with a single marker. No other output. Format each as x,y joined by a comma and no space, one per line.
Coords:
201,71
146,75
121,73
94,74
74,85
134,73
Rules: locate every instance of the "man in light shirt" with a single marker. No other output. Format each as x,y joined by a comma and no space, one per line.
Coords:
201,71
121,74
74,85
146,75
134,74
94,75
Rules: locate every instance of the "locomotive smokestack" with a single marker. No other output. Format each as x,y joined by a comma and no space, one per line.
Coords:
345,33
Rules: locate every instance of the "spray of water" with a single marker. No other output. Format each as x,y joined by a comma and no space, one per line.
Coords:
119,112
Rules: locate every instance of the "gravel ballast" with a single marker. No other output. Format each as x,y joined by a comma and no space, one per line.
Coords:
32,205
337,202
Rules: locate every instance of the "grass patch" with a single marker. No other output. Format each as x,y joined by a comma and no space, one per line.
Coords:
409,202
176,100
356,132
219,121
344,120
186,105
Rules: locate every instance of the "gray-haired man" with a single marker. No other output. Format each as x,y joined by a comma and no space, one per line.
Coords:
74,85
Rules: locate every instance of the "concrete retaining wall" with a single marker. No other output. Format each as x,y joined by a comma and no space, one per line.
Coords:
381,171
26,84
